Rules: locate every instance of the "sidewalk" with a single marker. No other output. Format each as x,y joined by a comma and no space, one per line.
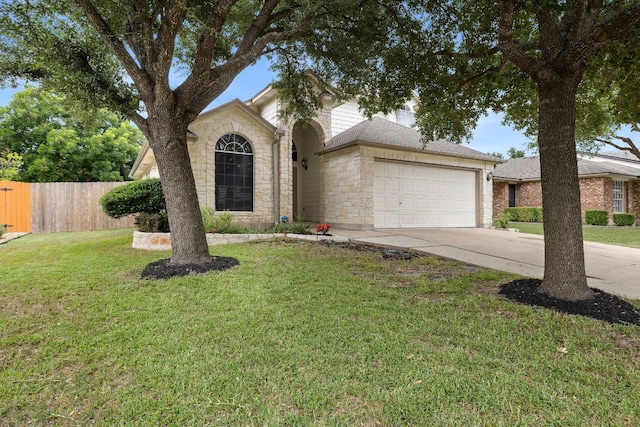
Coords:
614,269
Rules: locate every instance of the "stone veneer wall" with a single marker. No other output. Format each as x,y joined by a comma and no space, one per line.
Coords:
209,128
343,199
322,125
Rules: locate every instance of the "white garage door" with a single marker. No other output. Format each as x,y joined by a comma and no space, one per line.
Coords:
411,195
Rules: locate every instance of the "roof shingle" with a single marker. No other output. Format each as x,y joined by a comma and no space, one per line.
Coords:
382,132
528,169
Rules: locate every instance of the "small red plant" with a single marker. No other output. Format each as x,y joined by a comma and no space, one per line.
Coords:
322,228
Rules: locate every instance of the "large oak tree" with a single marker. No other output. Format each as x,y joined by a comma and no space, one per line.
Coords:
159,62
464,58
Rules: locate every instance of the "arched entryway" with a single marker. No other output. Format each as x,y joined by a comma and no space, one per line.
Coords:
307,140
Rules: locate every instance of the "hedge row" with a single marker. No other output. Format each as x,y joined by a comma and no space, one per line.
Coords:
596,217
524,214
623,219
592,217
601,217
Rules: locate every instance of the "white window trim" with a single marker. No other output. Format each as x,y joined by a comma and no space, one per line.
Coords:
619,203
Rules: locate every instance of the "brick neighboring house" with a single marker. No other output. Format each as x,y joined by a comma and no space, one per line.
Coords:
338,168
608,181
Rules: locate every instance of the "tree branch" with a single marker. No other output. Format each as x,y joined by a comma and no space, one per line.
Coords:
513,50
471,80
139,76
207,40
630,147
621,23
170,23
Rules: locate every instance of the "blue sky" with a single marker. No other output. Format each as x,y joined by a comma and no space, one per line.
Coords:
489,136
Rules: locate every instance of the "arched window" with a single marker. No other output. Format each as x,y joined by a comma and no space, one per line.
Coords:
234,174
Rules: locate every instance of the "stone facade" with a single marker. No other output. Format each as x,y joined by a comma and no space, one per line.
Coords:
208,128
336,187
343,189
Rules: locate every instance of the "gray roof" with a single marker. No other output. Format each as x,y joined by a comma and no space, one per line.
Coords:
528,169
384,133
619,155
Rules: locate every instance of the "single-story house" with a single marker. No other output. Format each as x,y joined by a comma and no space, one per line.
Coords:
608,181
338,168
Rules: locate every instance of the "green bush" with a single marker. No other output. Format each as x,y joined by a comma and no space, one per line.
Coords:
144,199
596,217
525,213
2,230
503,220
624,219
295,227
152,223
219,223
134,197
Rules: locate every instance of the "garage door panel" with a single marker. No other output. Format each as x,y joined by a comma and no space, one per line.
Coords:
409,195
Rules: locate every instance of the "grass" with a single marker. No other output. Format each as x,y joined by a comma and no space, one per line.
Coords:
623,236
297,334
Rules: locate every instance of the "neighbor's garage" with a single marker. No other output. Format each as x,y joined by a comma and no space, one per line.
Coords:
415,195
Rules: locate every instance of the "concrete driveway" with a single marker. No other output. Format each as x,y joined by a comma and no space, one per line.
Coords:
614,269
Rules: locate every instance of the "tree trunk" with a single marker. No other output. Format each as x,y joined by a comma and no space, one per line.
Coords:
564,268
168,141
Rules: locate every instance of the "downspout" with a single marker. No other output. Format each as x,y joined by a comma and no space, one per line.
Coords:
277,135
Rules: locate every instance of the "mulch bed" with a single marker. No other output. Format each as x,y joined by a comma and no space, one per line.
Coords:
162,269
603,306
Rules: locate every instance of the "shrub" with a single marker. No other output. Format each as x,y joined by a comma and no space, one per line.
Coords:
2,230
152,223
134,197
596,217
220,223
624,219
295,227
144,199
503,220
525,213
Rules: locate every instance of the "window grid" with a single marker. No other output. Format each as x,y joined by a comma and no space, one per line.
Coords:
618,197
234,174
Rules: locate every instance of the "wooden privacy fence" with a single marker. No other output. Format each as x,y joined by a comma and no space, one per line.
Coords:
59,206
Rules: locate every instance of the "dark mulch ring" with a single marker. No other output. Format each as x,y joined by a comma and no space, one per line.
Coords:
603,306
161,269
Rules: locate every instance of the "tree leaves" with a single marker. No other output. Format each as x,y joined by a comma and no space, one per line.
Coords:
60,143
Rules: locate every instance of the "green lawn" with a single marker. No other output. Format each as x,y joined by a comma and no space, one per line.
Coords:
297,334
623,236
